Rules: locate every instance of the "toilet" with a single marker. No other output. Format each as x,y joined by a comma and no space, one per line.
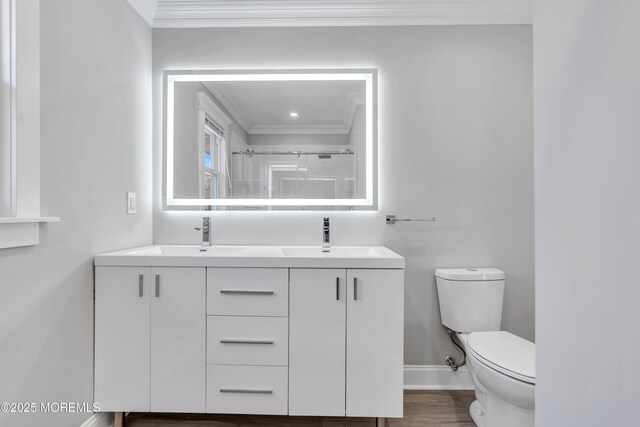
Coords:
502,365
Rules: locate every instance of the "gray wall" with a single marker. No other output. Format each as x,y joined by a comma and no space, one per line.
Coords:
587,147
96,145
455,136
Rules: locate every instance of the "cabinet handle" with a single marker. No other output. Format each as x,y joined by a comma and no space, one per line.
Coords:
337,289
140,285
245,291
355,289
232,341
247,390
157,285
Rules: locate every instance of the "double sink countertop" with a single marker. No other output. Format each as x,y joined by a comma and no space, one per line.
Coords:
254,256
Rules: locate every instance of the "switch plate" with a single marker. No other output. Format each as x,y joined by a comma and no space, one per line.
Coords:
132,203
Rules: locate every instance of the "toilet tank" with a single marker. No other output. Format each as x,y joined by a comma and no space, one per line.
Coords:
470,298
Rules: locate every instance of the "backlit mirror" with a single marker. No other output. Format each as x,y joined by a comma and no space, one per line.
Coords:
240,140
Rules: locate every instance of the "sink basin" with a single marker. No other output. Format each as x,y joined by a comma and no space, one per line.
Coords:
191,250
211,250
340,252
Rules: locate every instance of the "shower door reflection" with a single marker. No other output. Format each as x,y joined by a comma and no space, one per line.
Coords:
293,175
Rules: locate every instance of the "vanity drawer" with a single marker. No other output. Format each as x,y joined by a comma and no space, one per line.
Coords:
247,389
248,291
236,340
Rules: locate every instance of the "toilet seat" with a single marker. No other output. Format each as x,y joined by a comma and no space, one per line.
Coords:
505,353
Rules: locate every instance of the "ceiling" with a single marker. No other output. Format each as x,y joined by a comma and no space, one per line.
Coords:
308,13
323,107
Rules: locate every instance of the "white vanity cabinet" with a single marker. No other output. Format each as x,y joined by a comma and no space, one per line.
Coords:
317,344
375,342
247,340
122,306
150,339
316,334
346,342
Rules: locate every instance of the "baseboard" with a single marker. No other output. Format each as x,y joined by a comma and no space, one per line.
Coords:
99,419
436,377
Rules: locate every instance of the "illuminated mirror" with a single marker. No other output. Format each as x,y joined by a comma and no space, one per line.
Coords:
257,140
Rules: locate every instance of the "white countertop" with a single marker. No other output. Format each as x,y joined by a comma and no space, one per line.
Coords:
254,256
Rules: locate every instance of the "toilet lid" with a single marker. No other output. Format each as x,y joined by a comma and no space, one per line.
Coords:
470,274
505,353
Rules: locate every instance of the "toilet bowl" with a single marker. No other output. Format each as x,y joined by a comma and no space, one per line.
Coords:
476,410
504,366
501,364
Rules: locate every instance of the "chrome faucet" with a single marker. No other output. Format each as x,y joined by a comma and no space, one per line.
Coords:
326,239
206,234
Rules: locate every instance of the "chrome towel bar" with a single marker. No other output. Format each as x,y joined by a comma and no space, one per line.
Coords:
392,219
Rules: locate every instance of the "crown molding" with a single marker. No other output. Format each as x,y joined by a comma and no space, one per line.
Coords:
230,106
145,8
298,130
312,13
355,100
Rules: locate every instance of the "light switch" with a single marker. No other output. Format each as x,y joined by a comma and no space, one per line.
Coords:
132,204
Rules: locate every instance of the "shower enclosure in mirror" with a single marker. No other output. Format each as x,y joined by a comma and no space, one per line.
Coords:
240,140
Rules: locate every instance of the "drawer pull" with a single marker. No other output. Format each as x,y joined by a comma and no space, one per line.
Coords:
247,390
245,291
140,285
230,341
157,285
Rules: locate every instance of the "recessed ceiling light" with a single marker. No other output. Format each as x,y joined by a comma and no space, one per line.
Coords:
293,114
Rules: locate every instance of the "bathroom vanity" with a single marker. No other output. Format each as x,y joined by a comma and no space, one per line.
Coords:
250,330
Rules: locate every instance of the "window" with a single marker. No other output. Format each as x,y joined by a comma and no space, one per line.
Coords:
20,139
213,128
7,110
212,162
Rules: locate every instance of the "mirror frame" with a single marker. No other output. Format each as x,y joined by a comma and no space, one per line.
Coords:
367,75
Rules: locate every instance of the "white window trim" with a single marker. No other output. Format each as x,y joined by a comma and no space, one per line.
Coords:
207,108
216,170
8,109
215,113
22,227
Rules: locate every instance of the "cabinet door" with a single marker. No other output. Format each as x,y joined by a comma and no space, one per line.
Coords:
317,342
178,337
375,324
122,339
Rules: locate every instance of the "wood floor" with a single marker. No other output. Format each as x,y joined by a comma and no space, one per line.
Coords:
421,409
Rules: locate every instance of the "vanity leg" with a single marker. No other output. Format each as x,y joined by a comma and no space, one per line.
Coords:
380,422
118,419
